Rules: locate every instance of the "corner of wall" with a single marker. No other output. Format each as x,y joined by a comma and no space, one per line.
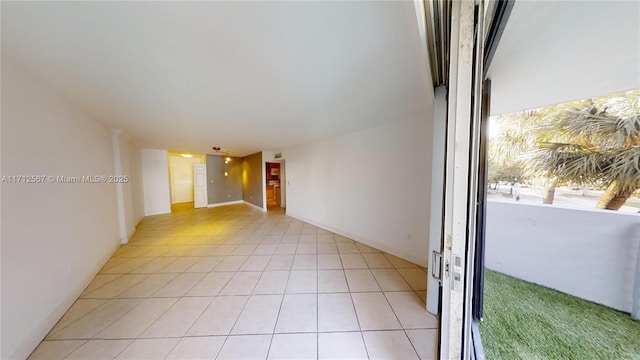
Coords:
252,179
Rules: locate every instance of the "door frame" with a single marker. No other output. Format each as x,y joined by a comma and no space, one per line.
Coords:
281,177
496,22
461,178
476,28
283,183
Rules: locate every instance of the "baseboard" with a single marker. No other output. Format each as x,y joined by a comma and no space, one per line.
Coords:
255,206
26,348
159,212
129,235
369,242
210,206
234,202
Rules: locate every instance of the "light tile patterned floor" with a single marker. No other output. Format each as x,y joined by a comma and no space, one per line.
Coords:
235,283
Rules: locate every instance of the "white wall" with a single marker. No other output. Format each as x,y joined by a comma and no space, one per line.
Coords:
55,236
372,186
590,254
137,191
181,178
155,182
130,204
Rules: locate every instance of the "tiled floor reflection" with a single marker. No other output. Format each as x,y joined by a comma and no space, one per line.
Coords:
235,283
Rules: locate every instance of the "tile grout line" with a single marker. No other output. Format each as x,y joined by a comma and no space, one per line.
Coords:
396,315
173,347
119,277
243,308
67,354
50,333
212,300
353,304
158,318
404,331
261,227
108,324
317,301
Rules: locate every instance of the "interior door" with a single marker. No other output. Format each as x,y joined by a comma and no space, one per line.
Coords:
199,185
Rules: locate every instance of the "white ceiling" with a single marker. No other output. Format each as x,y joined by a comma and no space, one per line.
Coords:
558,51
245,76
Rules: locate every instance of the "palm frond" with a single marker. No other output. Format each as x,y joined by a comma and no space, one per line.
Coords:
569,162
596,127
589,141
623,166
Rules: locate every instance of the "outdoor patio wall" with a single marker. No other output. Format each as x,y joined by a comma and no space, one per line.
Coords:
590,254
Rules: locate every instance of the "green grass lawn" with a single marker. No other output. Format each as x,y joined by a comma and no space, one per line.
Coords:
528,321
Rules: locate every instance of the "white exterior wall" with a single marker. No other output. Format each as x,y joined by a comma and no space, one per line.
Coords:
590,254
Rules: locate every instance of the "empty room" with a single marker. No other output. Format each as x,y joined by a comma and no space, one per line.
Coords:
276,179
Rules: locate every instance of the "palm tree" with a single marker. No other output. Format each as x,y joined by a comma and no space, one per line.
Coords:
594,141
519,134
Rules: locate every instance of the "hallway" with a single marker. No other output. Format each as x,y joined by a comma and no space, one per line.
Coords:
235,283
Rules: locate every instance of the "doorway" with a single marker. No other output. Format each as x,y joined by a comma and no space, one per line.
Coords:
181,178
275,185
272,177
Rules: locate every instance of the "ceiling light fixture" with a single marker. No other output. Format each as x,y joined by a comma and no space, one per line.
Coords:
186,155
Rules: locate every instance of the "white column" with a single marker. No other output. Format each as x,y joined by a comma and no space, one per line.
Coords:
122,222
